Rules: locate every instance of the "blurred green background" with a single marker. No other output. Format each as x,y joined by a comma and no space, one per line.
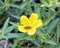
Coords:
47,36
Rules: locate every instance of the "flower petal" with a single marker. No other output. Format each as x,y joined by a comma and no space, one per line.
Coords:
24,20
22,29
31,31
33,17
38,23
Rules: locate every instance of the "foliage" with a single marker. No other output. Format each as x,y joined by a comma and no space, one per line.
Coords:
48,35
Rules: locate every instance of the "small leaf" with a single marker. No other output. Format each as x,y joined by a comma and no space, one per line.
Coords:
17,17
12,35
14,24
49,42
5,26
44,2
52,26
21,6
9,29
47,20
58,31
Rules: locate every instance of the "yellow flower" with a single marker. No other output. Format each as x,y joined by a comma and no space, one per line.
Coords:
29,25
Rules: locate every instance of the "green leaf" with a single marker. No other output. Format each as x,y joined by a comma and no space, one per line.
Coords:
12,35
25,37
49,41
5,26
58,46
58,31
9,29
1,6
17,17
56,1
14,24
22,36
33,41
52,26
44,2
39,32
21,6
47,20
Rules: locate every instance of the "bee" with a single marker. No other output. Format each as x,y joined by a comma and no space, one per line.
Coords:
27,27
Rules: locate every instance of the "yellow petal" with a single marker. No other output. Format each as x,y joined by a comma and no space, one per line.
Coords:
31,31
24,20
22,29
33,17
38,23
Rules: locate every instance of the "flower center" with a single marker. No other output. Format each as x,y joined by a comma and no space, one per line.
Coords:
27,27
